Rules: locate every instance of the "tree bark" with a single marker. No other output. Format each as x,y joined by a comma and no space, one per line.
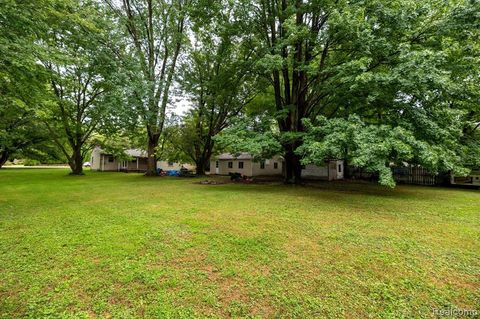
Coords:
293,166
202,164
151,153
76,161
200,168
3,157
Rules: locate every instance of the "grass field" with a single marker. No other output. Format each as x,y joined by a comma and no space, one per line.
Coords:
115,245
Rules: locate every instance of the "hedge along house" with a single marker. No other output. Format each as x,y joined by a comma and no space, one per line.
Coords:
245,165
102,161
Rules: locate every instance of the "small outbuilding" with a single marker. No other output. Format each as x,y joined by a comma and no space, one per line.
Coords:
473,179
332,170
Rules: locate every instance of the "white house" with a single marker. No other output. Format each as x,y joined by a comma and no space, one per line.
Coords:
246,165
102,161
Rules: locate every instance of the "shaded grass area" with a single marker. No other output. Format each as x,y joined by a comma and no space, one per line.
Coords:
114,245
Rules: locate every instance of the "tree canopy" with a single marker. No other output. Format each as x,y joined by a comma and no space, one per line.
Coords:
375,83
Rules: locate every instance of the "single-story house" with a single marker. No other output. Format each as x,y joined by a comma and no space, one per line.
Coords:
102,161
245,164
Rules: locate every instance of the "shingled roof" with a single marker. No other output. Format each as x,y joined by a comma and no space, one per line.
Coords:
228,156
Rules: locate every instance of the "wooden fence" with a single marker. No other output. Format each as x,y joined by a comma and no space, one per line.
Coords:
415,175
403,175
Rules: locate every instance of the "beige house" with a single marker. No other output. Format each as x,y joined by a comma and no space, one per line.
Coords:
245,165
102,161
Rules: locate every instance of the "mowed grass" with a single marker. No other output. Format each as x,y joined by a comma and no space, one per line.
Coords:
115,245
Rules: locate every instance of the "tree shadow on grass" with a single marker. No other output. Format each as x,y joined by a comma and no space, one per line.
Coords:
326,189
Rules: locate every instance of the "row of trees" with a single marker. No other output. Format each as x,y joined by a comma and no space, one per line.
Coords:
372,82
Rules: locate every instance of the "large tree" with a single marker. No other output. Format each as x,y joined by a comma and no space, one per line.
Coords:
22,80
373,59
154,34
218,79
80,69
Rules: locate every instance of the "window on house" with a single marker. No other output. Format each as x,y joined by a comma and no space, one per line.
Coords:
170,164
240,164
110,159
262,164
275,165
230,164
216,164
339,168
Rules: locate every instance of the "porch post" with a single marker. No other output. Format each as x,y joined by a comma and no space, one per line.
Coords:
137,164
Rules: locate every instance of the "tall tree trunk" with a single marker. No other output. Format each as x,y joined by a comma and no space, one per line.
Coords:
200,167
202,163
3,157
151,153
347,174
293,166
76,161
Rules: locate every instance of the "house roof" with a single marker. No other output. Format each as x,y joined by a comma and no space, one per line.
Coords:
129,152
136,153
228,156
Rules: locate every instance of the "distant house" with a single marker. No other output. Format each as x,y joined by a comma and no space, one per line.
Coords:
105,162
245,164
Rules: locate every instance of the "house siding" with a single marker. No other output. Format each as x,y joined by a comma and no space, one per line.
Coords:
108,166
175,167
223,168
269,167
95,159
250,168
332,170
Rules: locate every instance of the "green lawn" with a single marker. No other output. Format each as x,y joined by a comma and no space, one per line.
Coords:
115,245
